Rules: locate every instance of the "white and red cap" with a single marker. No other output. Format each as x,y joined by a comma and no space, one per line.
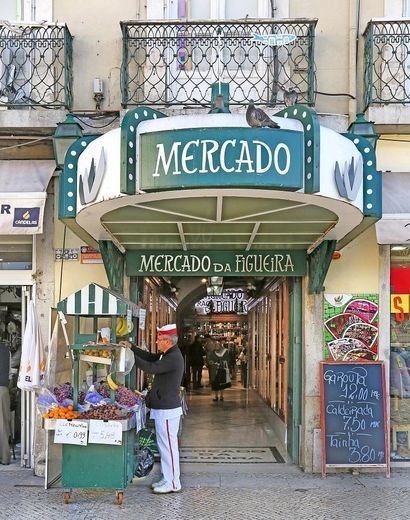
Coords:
167,330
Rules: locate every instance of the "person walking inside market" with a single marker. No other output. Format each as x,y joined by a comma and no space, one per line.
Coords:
218,362
165,403
209,345
196,360
4,404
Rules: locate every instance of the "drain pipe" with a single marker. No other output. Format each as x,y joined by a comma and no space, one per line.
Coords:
354,23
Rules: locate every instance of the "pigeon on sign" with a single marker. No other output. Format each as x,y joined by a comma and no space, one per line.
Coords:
257,118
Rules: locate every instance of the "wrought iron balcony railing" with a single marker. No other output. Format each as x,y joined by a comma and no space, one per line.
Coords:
35,65
175,63
387,62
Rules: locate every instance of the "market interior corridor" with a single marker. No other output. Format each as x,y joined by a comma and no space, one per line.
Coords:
238,429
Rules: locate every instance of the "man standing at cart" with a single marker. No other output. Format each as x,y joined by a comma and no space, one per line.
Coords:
165,403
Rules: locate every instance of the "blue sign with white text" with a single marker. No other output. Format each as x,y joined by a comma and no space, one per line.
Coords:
26,217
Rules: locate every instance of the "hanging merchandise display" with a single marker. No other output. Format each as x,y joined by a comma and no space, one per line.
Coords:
32,364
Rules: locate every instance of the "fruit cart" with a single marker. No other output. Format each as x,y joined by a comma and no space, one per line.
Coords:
98,453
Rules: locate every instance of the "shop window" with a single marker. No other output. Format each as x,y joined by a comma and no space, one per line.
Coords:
400,353
16,253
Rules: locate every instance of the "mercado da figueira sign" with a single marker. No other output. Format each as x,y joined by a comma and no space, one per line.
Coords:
213,157
209,263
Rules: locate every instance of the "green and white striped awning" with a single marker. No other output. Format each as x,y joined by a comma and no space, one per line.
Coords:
94,300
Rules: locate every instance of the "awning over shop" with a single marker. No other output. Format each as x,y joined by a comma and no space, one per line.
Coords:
210,182
94,300
394,226
23,195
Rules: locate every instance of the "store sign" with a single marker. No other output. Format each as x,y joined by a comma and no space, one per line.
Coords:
400,306
105,432
274,40
230,301
90,255
21,215
213,157
71,432
210,263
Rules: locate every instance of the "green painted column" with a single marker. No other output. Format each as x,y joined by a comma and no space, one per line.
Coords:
114,263
295,369
136,288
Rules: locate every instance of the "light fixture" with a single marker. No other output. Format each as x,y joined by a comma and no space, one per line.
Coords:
98,88
364,128
214,290
204,280
398,248
64,136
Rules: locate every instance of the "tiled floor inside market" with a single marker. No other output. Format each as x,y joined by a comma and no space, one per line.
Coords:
238,429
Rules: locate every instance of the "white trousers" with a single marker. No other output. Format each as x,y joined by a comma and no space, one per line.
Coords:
167,441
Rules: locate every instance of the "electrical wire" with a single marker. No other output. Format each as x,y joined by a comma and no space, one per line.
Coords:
62,264
26,144
331,94
394,140
97,127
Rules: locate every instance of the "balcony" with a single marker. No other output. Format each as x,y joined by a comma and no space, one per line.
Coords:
387,72
175,63
35,66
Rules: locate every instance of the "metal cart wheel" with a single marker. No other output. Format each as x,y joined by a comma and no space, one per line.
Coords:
66,497
120,495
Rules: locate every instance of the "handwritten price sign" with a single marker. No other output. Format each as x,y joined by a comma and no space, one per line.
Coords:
71,432
105,432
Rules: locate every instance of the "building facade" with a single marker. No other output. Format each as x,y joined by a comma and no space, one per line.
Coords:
166,182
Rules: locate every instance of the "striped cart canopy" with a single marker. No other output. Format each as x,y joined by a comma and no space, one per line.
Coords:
94,300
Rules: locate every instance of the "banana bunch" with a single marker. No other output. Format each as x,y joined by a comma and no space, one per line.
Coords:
111,383
122,328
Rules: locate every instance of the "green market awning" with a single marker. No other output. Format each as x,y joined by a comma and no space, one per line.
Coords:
94,300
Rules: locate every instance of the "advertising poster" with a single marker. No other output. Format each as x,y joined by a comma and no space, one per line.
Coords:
89,255
351,327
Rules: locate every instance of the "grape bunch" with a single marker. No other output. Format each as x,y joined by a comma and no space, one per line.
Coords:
104,390
107,412
125,397
63,392
81,397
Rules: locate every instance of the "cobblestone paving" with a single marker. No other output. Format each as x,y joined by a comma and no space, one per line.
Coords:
258,496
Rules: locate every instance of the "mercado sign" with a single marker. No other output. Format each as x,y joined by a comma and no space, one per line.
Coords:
209,263
213,157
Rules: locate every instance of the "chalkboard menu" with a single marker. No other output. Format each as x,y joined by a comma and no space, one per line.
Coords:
353,413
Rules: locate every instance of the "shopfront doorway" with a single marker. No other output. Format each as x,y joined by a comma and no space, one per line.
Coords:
259,325
14,301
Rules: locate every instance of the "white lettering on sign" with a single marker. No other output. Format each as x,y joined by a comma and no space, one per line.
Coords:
264,263
166,164
105,432
256,263
71,432
212,157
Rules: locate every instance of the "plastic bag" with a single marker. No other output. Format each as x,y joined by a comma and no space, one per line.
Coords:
46,400
144,462
94,398
146,438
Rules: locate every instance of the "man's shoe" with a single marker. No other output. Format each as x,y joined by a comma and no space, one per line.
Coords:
166,488
159,483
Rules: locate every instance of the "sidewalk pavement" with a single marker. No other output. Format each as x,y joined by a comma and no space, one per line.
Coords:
217,492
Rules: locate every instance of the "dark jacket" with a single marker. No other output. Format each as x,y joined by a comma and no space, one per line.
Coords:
168,369
196,354
4,364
